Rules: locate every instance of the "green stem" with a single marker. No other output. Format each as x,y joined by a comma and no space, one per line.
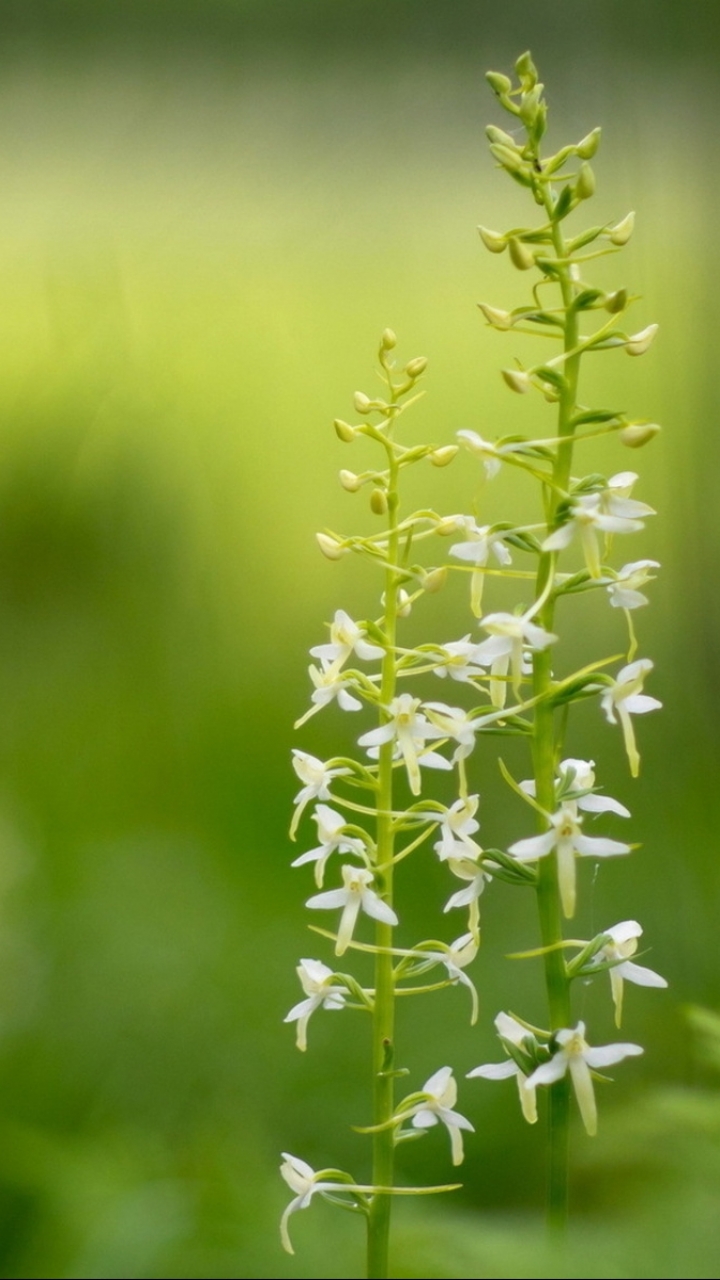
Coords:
383,1052
544,763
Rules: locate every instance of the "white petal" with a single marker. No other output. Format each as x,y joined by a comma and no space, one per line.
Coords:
599,847
379,910
495,1070
608,1054
549,1072
640,975
534,847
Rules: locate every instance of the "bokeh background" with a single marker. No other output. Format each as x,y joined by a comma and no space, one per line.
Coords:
209,210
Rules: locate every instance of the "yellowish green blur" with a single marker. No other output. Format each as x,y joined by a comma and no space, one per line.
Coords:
201,241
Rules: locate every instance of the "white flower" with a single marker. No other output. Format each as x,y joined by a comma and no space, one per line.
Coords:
346,637
454,722
331,829
410,730
509,635
457,825
624,591
440,1096
576,1055
565,836
316,981
491,454
623,944
356,896
458,956
471,870
304,1181
456,659
512,1031
609,511
577,777
329,684
480,541
317,778
624,699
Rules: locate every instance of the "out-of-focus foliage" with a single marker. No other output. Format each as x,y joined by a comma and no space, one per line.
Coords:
199,247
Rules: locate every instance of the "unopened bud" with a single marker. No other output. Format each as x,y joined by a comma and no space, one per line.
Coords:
378,502
509,157
638,343
404,604
522,257
495,241
526,70
517,380
388,339
350,481
494,316
448,525
499,135
636,434
435,579
585,185
362,402
330,547
414,368
529,104
588,145
498,82
441,457
615,302
344,431
622,231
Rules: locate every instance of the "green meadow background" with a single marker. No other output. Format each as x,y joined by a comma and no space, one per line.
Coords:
209,210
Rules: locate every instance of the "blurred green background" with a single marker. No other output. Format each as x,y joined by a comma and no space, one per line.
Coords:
209,210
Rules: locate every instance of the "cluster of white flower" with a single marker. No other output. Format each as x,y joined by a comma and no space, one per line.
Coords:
372,809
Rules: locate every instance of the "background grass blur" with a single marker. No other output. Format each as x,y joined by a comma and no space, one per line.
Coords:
209,210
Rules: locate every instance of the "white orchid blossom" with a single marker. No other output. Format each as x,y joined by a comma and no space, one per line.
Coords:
575,1055
472,871
624,591
410,730
355,897
457,659
440,1096
578,792
316,980
458,956
457,825
305,1183
623,944
565,837
455,723
509,634
330,684
490,454
316,778
624,699
331,833
346,637
609,511
508,1028
480,542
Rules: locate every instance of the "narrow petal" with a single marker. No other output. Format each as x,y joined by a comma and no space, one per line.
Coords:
599,847
639,974
493,1070
379,910
608,1054
550,1071
534,847
584,1092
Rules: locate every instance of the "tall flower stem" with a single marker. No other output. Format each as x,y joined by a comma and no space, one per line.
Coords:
383,1051
545,751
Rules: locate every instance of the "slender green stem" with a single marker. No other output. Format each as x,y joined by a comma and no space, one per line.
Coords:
544,761
383,1052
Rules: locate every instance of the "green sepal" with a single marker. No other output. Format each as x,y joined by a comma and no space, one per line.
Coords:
588,299
564,204
585,237
552,376
596,415
523,542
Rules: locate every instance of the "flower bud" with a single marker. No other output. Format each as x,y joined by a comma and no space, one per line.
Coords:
499,135
526,70
404,604
378,502
497,318
344,431
414,368
350,481
495,241
615,302
509,157
498,82
434,579
362,403
588,145
441,457
330,547
388,340
638,343
585,185
522,257
448,525
517,380
636,434
622,231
